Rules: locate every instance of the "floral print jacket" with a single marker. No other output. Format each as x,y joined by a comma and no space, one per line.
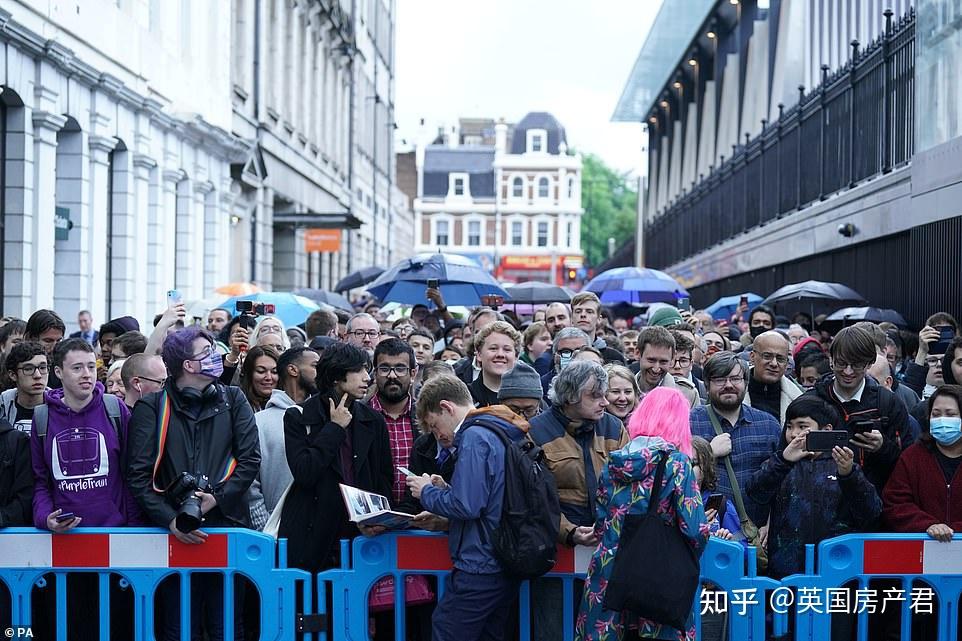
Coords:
625,488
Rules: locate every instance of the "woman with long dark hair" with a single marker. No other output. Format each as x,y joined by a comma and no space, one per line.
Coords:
258,376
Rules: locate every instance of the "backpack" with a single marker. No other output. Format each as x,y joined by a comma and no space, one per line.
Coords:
111,404
525,540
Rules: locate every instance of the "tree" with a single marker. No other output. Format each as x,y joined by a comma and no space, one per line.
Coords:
610,206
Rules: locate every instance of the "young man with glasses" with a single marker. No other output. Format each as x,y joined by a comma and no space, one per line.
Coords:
394,373
142,374
873,416
363,331
768,388
209,432
26,365
748,435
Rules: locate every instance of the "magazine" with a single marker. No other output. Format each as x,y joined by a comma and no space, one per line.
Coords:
368,508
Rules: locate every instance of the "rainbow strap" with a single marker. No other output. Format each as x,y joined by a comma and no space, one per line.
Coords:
163,425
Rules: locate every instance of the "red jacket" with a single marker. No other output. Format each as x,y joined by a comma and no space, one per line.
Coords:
917,497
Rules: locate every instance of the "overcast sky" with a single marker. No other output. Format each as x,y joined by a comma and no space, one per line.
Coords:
504,58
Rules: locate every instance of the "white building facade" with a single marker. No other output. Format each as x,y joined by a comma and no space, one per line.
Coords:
514,206
151,144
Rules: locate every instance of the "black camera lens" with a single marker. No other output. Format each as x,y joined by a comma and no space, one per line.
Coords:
189,516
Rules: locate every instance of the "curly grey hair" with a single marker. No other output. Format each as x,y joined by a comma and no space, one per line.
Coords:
577,377
569,332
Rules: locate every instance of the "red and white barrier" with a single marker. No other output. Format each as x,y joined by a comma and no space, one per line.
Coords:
132,551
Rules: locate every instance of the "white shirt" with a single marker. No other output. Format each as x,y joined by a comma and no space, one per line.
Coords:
857,396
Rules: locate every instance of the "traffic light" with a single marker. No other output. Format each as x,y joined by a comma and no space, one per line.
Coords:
572,275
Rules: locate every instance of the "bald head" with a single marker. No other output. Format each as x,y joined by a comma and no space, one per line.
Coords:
769,357
881,371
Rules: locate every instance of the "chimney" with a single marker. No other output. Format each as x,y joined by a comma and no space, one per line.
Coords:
453,137
500,137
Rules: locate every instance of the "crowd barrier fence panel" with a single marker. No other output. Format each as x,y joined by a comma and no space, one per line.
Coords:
905,559
727,565
143,558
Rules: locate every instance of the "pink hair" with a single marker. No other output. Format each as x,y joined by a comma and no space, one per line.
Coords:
663,413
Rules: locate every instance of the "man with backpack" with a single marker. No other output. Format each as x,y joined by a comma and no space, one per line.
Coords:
499,500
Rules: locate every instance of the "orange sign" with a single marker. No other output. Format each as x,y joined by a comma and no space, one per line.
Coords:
322,240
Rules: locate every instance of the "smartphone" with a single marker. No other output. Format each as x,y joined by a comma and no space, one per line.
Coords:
946,335
743,301
864,426
825,441
66,516
492,300
433,283
715,502
174,297
684,304
405,471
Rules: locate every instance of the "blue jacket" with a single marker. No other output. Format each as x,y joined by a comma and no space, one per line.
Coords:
472,502
810,502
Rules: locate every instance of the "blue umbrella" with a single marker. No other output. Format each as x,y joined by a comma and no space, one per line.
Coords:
291,309
462,281
726,306
636,285
328,298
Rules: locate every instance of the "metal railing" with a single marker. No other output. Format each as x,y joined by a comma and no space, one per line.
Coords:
858,123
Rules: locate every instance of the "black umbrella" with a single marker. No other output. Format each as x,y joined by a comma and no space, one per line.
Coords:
814,295
872,314
533,293
360,278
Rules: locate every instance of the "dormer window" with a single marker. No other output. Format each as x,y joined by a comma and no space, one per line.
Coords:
458,185
537,141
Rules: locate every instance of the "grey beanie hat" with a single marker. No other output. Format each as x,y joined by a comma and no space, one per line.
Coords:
521,382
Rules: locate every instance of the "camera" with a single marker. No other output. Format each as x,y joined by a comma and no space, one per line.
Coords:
249,311
182,494
492,300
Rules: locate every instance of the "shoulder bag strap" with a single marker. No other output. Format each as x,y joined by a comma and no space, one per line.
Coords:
736,491
656,486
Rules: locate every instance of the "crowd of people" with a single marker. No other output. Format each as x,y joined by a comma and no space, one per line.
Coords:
242,421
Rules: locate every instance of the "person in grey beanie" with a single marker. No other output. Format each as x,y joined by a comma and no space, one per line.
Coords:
521,391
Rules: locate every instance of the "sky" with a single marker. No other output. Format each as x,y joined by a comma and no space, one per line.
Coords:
504,58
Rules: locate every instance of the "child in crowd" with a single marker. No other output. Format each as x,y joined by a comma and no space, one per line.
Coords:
722,522
812,495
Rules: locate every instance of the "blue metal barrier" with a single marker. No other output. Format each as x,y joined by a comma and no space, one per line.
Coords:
399,554
143,558
902,559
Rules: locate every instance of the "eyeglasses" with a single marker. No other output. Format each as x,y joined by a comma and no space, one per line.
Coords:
768,357
525,413
360,334
841,366
933,361
736,380
269,329
397,370
204,354
30,370
682,362
159,381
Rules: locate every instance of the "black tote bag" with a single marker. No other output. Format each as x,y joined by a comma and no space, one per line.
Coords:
656,570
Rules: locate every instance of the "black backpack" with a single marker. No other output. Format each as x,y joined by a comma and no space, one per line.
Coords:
525,541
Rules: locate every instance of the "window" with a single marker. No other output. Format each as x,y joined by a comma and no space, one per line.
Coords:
542,187
474,233
571,187
570,235
537,140
441,233
516,227
458,185
542,234
517,187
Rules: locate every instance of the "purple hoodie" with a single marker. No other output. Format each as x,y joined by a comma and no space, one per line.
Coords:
78,468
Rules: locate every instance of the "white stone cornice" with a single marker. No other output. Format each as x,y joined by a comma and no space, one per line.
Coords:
144,161
203,187
49,121
173,175
103,144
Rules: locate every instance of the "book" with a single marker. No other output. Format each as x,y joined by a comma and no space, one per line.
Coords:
368,508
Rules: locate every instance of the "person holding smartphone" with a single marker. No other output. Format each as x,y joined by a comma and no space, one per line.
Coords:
791,479
924,375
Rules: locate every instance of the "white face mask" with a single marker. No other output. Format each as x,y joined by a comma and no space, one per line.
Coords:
451,361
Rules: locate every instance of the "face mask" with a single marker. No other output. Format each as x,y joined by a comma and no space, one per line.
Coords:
452,362
947,430
565,360
211,365
757,330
